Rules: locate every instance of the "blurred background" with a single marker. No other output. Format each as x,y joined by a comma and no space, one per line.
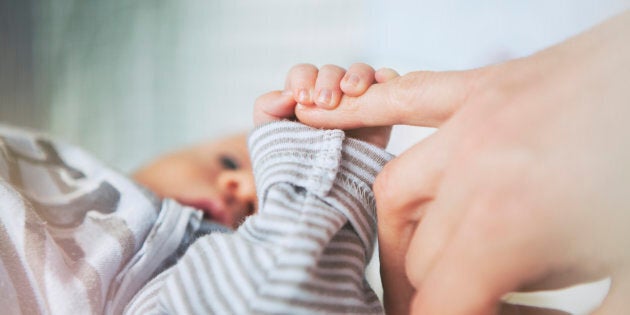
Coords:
130,79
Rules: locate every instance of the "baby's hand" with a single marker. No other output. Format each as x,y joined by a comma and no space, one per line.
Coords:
326,87
273,106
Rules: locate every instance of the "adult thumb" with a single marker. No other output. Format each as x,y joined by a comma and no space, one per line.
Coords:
421,98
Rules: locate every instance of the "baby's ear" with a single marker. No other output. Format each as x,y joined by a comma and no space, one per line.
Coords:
274,106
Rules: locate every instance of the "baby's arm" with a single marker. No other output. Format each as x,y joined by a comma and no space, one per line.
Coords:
306,250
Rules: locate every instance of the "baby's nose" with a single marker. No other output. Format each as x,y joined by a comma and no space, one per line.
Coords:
239,191
238,184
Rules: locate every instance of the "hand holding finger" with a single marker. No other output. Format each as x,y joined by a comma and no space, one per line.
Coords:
418,98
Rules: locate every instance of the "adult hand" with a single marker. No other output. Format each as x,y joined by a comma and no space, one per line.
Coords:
524,186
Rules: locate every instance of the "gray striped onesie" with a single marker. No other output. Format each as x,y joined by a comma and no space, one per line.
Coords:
79,238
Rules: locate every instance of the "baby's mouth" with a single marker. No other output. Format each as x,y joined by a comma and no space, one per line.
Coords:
212,210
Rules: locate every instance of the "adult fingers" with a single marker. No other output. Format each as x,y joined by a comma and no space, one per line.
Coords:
475,245
475,271
301,81
327,90
357,79
403,190
273,106
413,177
418,98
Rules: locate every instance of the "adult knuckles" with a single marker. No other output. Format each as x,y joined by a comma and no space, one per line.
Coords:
430,98
388,199
383,191
407,93
393,204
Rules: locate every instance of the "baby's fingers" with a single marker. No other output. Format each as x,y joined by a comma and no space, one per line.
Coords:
301,81
385,74
275,105
327,91
319,87
357,79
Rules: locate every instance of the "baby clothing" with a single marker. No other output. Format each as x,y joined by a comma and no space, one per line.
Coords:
80,238
77,237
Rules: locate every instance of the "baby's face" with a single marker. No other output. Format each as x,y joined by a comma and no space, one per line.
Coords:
215,177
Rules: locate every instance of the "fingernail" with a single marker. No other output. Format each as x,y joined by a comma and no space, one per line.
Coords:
300,107
324,97
353,79
287,93
303,96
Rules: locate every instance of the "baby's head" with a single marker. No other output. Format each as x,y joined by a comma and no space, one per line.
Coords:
215,177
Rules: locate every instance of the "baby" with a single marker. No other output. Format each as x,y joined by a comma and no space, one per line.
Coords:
217,177
78,237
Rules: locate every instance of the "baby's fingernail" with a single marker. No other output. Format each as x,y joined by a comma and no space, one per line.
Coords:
324,97
304,96
353,79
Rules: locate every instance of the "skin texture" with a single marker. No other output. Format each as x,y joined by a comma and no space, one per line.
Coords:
524,185
309,87
277,105
215,177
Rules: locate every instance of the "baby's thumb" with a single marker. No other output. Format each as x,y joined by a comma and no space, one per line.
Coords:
273,106
418,98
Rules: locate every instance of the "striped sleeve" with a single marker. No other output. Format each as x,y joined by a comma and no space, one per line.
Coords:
306,250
